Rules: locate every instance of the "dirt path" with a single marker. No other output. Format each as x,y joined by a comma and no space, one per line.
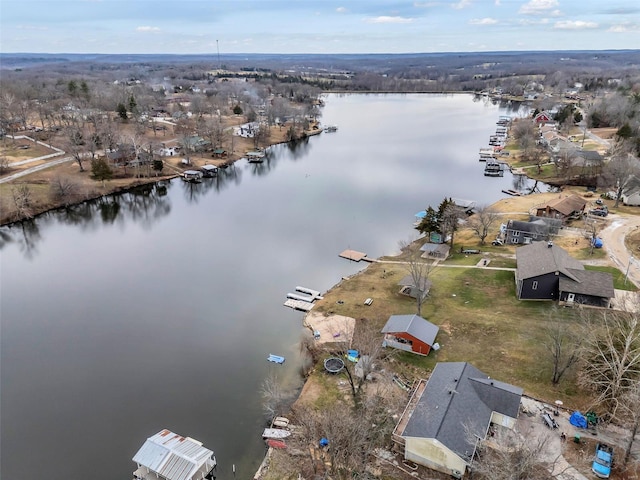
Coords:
613,237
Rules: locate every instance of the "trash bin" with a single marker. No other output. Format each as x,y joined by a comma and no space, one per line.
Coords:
576,438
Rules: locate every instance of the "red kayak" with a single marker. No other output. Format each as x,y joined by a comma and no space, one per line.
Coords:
273,443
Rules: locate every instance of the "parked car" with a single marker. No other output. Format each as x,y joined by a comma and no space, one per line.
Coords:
599,212
599,202
497,242
470,251
602,461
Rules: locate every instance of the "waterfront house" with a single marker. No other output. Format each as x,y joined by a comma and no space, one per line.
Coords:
410,333
543,118
169,456
447,416
631,195
563,207
545,271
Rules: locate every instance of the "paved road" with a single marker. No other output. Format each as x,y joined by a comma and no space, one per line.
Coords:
37,168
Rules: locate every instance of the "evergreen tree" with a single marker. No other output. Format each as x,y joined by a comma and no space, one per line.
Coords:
122,111
133,106
100,170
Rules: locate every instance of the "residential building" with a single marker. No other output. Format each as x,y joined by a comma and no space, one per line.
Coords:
410,333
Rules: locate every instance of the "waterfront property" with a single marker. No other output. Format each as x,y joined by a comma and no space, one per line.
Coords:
446,415
410,289
209,170
517,231
410,333
563,207
547,272
435,250
169,456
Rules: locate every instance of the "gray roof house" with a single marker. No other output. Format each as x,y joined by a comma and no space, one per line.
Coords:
457,400
435,250
518,231
547,272
410,333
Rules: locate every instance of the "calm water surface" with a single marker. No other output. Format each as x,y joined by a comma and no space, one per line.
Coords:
157,309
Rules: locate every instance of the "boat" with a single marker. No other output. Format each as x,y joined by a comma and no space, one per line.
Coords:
331,128
493,169
275,433
275,358
282,422
274,443
515,193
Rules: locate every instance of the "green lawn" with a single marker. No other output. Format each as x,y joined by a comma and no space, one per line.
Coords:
480,321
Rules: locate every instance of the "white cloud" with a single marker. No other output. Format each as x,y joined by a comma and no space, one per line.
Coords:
538,7
461,4
31,27
426,4
497,2
624,28
384,19
147,28
341,10
574,25
483,21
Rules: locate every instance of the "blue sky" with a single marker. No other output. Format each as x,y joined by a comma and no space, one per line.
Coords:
316,26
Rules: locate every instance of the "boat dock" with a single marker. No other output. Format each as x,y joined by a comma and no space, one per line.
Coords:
298,304
355,256
313,293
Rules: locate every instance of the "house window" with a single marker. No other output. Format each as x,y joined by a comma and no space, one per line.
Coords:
516,234
514,240
534,286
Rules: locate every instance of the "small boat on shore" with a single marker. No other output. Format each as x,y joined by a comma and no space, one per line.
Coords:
331,128
275,443
275,358
515,193
282,422
275,433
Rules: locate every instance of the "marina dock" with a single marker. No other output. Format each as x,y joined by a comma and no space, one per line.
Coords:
298,305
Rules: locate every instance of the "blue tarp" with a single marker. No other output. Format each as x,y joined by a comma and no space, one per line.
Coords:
323,442
598,243
578,420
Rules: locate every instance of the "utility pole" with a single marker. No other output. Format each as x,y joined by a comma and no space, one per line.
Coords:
218,49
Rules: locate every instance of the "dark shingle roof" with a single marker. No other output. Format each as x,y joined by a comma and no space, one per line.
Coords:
567,205
459,397
538,227
589,282
407,281
539,259
414,325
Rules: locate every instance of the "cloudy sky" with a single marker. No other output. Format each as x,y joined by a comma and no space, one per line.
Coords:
316,26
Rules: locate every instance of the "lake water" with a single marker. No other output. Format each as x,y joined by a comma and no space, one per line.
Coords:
158,309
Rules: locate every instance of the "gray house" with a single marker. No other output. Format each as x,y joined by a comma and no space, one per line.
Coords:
457,400
526,232
547,272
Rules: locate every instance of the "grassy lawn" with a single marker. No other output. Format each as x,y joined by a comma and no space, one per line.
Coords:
480,321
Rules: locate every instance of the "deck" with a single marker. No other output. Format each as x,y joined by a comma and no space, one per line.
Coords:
354,256
298,305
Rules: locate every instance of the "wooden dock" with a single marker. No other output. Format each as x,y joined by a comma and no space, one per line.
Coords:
354,256
298,305
315,294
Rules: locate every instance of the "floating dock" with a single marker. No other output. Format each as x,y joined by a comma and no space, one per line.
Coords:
301,298
298,305
313,293
354,256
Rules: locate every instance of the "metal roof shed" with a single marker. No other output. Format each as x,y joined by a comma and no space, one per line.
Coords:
169,456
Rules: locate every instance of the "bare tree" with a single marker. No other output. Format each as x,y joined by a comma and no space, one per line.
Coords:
4,165
482,221
610,356
452,216
419,268
619,172
22,201
63,187
563,343
630,416
510,455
